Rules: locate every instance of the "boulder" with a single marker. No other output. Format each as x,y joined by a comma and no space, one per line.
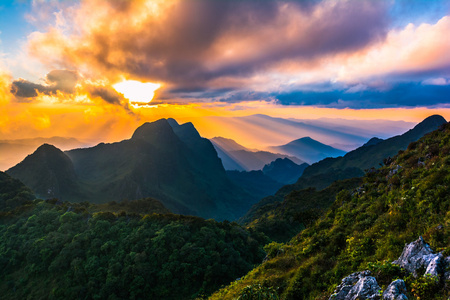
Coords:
359,285
436,267
415,256
395,291
366,288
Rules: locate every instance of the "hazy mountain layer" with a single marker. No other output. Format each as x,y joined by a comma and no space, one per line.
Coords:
237,157
261,131
308,150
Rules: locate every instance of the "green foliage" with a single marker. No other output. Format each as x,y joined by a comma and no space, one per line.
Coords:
66,250
258,292
372,223
280,221
423,287
385,272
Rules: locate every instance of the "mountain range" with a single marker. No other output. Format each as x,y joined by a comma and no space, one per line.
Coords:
237,157
261,131
163,160
352,165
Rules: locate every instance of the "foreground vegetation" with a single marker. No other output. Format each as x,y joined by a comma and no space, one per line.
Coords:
363,229
55,250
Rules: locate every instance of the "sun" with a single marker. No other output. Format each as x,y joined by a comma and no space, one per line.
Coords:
136,91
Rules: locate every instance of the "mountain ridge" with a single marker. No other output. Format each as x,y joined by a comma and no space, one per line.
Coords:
175,166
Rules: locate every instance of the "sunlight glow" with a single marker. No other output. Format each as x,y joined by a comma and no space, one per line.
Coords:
136,91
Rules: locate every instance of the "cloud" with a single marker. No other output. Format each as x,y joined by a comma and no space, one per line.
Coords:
326,52
109,95
56,80
190,43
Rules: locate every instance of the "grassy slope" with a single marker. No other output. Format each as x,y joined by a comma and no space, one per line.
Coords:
371,224
280,221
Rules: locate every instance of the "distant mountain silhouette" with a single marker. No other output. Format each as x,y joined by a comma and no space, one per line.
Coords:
14,151
237,157
163,160
372,141
308,150
284,170
49,173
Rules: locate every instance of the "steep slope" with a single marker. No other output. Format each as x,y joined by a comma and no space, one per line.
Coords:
308,150
163,160
49,173
236,157
284,170
395,205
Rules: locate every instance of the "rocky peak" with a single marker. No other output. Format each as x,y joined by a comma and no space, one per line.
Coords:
153,130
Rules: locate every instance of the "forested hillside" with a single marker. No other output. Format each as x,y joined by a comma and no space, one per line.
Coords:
405,199
55,250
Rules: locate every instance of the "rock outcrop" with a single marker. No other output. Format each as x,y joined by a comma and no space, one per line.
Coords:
359,285
395,291
415,256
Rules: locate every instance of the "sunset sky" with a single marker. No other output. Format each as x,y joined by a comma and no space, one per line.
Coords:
97,69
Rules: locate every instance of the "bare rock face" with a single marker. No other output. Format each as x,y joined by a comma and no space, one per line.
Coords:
436,267
395,291
366,288
415,256
359,285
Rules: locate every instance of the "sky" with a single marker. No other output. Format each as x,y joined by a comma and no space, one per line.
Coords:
96,69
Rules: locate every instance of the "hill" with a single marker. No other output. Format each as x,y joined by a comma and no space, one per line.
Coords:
366,228
49,172
284,170
236,157
163,160
61,250
308,150
14,151
281,221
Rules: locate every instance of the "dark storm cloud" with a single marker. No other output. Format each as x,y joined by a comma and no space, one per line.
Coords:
57,80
